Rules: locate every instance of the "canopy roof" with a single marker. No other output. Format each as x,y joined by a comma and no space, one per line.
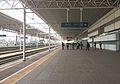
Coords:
10,24
54,12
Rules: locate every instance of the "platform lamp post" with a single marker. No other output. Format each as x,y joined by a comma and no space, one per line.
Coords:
24,34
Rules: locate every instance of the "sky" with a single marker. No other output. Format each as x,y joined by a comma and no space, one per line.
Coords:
18,14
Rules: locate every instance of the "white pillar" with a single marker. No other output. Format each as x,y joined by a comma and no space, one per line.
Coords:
20,39
43,38
56,39
93,41
81,12
24,34
49,38
67,15
46,40
31,40
37,41
117,41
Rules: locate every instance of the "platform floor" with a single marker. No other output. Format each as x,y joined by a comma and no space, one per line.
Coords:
77,67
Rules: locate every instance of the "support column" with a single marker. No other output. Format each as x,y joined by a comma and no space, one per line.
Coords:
37,41
16,41
31,40
24,35
93,41
117,41
46,40
67,15
43,40
49,38
20,40
56,39
81,16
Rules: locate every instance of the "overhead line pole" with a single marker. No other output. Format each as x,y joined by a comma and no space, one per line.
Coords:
37,41
49,38
24,35
20,39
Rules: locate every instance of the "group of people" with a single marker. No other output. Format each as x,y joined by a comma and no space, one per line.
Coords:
75,45
72,45
79,45
100,44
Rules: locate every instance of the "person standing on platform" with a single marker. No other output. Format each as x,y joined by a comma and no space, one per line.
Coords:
95,45
63,45
73,44
87,46
78,45
100,45
67,44
81,45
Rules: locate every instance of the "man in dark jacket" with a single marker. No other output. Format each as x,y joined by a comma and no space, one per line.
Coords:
88,46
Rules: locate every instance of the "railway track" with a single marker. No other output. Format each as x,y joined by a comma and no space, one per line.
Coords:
19,55
4,50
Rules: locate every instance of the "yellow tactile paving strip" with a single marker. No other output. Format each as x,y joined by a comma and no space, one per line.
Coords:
20,74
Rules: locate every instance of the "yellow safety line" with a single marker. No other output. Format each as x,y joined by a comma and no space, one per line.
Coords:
21,73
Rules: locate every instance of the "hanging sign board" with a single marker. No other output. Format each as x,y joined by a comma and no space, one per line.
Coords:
74,25
25,37
2,35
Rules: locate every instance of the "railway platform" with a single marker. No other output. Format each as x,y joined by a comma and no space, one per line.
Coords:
8,69
32,31
71,67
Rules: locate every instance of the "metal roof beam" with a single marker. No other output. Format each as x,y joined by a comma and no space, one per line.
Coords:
79,3
55,8
13,3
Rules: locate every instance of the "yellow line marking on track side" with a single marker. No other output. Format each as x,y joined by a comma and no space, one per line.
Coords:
21,73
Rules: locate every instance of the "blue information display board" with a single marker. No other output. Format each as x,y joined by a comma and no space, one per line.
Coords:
74,25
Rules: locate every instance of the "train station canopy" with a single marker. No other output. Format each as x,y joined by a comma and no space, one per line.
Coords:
55,12
8,23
